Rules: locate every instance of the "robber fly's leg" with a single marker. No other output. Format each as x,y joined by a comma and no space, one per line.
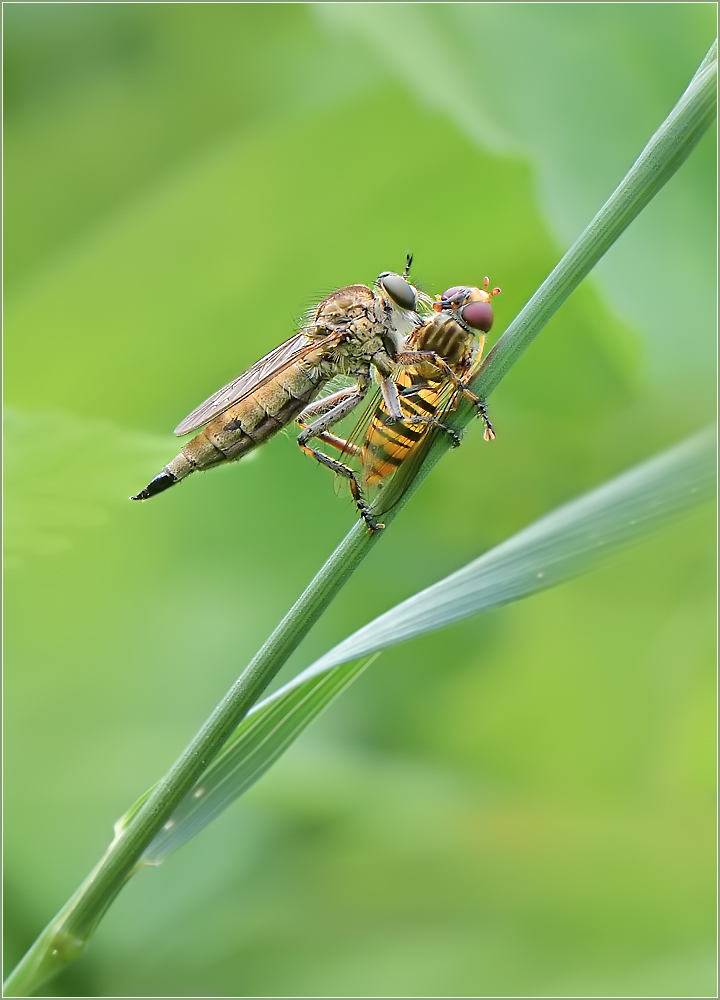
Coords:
342,470
331,409
410,356
319,429
325,405
340,444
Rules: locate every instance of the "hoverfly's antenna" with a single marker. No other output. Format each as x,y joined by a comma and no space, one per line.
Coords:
408,265
486,284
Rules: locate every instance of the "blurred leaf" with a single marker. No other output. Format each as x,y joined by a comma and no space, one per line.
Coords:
571,539
560,545
104,101
64,474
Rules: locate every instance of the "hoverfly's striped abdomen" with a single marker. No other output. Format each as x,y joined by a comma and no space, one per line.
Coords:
389,442
422,391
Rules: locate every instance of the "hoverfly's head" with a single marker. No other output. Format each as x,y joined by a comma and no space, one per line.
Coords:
470,305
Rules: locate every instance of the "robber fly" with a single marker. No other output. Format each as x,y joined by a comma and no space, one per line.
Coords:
441,357
350,331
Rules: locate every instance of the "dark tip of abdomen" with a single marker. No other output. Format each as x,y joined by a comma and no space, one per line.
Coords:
157,485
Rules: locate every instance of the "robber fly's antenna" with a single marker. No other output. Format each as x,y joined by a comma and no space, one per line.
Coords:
408,265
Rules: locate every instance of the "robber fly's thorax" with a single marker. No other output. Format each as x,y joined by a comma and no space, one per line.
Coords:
372,326
342,308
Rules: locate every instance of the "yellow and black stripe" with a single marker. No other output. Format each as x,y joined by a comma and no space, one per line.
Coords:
389,442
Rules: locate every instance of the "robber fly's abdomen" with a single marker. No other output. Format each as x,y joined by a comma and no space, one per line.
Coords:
256,418
242,427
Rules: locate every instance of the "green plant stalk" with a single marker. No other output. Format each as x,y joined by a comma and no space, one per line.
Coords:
66,935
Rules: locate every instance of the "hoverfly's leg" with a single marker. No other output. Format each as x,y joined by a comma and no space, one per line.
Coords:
479,404
439,425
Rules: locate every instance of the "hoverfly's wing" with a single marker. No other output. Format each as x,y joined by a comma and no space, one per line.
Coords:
394,450
356,438
294,349
389,444
374,412
402,445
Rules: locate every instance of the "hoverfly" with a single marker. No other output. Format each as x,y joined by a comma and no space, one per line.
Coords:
441,357
350,331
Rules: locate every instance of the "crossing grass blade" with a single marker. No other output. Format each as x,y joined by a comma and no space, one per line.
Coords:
570,540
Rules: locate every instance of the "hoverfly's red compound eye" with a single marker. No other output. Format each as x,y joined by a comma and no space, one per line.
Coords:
478,315
450,292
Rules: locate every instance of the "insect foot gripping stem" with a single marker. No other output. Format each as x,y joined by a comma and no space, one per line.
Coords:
163,481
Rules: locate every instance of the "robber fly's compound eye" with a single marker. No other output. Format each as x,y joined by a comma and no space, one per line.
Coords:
478,315
400,291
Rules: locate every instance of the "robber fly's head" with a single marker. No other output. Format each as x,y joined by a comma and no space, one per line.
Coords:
401,293
403,301
471,305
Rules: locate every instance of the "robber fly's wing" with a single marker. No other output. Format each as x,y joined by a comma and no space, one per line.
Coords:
293,350
356,438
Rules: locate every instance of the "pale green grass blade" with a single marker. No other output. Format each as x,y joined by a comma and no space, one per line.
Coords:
573,538
265,733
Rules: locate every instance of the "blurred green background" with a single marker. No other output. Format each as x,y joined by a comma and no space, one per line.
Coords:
519,805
